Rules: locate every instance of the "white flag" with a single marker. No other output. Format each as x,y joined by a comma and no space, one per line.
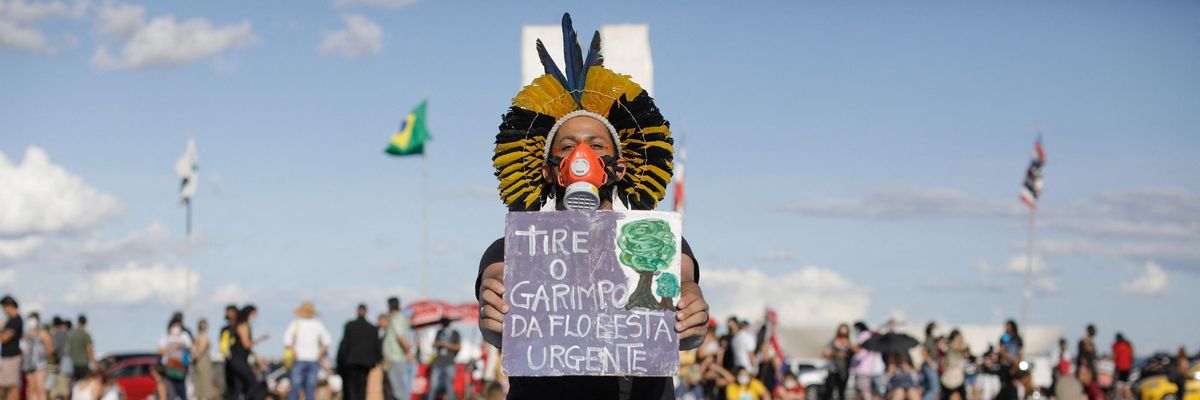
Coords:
186,169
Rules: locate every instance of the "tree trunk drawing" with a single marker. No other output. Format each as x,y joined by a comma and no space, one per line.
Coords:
642,297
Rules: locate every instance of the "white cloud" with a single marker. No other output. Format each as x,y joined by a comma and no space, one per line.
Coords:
134,283
1046,285
1182,250
1152,281
375,3
811,295
906,203
120,21
1018,263
17,248
37,196
8,277
30,12
359,39
26,38
163,41
19,20
776,256
147,244
230,293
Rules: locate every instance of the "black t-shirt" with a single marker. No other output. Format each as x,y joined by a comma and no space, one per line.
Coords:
12,347
583,387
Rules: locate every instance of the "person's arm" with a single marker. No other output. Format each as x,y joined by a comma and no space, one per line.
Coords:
47,342
491,304
692,308
6,335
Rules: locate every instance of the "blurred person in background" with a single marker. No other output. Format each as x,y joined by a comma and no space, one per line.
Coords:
903,378
1182,371
398,352
931,355
308,340
743,348
866,366
241,347
954,366
790,389
60,362
175,347
358,352
690,386
1086,351
37,347
1122,352
10,349
446,345
225,341
202,372
1061,359
79,347
987,384
746,387
838,353
1011,346
726,341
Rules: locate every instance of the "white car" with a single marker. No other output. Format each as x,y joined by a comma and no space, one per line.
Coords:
811,373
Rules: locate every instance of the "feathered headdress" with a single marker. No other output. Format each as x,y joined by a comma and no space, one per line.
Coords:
642,136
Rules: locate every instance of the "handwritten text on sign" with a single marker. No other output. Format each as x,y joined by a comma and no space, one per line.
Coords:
591,293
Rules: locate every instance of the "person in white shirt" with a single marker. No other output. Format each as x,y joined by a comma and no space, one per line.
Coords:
308,339
175,348
743,349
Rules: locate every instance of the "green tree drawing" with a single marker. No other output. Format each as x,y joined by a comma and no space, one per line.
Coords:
668,288
647,246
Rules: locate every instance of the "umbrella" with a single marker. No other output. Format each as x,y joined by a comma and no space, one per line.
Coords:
890,343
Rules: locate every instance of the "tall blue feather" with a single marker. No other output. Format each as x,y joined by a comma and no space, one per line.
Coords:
572,57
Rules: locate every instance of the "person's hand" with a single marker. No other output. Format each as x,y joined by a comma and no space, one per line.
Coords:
410,357
692,316
491,300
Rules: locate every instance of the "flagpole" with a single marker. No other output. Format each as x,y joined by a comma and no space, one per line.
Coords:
1028,269
187,280
424,223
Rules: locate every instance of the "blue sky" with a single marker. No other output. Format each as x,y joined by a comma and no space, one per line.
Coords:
859,160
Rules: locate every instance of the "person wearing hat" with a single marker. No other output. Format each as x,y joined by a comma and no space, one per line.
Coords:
307,339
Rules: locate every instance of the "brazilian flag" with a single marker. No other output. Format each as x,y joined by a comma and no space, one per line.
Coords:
411,137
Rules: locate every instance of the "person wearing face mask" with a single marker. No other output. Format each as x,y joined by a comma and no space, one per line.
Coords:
746,387
36,358
586,138
175,348
790,389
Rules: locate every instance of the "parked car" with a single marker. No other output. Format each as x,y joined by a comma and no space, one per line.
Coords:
810,373
132,374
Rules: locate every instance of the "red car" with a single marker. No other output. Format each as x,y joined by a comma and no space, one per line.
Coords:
133,376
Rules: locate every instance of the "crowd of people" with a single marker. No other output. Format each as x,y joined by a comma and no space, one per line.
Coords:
376,361
746,364
379,361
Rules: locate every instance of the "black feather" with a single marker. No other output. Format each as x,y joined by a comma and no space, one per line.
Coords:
572,57
549,66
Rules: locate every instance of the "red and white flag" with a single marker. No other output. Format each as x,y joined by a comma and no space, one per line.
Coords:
1033,177
678,181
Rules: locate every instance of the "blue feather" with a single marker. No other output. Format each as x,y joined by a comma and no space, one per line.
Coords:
549,66
572,57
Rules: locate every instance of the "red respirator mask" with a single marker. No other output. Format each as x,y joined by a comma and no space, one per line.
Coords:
582,174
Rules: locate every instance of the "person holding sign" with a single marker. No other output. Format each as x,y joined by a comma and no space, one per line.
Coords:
588,138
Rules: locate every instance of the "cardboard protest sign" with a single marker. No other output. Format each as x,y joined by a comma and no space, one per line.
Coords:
591,293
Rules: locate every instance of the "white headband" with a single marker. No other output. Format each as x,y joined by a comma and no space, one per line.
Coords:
581,113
